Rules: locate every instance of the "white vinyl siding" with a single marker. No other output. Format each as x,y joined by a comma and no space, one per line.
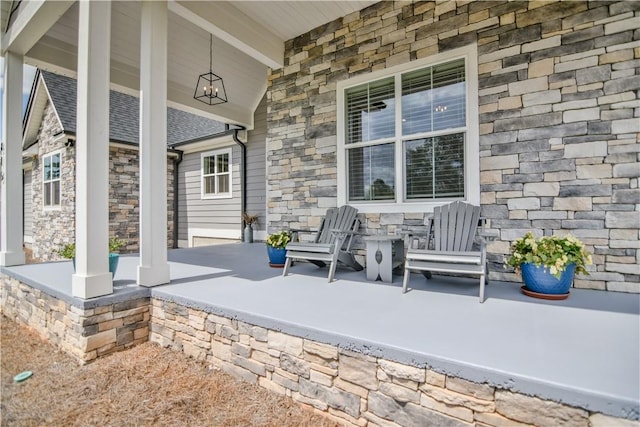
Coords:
408,135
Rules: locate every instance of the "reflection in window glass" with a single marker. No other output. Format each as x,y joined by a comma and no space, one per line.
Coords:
223,183
433,98
51,180
223,163
370,111
372,173
435,167
209,165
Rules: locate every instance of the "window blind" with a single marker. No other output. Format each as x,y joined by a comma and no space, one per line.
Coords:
372,173
433,98
370,111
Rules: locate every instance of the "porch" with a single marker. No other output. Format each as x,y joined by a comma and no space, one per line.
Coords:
582,352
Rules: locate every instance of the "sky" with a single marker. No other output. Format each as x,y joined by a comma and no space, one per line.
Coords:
27,81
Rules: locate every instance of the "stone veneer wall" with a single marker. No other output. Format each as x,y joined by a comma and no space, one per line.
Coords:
558,104
54,228
85,333
350,387
124,193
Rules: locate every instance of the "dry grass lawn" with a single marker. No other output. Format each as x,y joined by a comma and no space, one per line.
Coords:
144,386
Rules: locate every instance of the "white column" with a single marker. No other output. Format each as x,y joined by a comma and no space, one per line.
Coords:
154,268
11,214
92,277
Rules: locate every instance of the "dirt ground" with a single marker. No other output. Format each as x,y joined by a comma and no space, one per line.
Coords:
143,386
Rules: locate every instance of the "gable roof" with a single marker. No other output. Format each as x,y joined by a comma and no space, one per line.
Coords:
124,113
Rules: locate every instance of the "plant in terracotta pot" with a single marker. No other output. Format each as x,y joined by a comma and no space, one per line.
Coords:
69,251
548,264
276,248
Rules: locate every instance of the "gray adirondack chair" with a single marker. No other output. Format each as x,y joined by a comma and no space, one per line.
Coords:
452,231
332,244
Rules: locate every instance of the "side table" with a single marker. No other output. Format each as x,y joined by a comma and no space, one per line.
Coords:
384,253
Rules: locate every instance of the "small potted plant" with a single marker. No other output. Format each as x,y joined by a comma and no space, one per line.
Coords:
114,246
548,264
248,229
69,251
276,248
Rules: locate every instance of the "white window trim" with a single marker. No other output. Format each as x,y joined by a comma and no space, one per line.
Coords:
228,195
57,207
472,142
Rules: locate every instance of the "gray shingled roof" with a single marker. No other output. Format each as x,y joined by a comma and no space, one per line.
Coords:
124,114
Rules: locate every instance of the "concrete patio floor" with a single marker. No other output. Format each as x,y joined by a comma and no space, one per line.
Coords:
583,351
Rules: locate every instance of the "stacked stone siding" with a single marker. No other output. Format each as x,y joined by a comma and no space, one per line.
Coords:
84,333
559,121
124,194
352,388
53,228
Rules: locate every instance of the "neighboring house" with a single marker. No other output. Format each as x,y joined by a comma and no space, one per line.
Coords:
204,165
529,109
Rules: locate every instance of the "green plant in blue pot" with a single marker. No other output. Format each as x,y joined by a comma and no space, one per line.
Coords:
276,248
548,264
69,251
114,246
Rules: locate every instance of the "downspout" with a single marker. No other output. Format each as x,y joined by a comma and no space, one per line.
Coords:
176,162
243,184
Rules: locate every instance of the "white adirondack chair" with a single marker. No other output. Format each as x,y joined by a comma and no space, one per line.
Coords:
452,231
332,244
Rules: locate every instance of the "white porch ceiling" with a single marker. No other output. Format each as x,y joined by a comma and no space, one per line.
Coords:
249,38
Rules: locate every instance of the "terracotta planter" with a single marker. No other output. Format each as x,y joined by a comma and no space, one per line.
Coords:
540,283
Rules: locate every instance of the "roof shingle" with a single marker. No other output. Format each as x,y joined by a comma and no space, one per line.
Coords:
124,113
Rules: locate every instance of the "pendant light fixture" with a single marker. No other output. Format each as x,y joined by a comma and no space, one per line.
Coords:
210,87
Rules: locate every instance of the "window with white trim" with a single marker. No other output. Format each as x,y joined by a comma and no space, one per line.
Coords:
51,180
216,174
409,135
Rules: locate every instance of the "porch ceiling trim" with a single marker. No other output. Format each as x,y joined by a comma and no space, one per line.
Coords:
235,28
32,22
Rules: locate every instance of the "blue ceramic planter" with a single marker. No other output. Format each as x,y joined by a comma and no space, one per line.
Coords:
539,279
113,263
277,256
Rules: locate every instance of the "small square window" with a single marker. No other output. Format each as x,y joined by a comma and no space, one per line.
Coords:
216,174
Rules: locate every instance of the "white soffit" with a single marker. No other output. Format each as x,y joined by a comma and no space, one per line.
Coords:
248,38
289,19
